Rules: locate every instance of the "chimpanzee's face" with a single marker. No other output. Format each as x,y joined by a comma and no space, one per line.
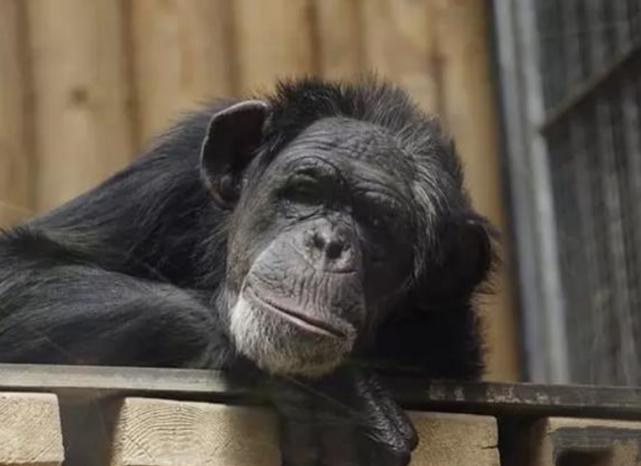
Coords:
320,241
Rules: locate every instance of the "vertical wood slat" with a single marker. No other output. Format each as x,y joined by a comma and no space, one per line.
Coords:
82,127
470,114
16,169
181,57
274,40
400,45
339,38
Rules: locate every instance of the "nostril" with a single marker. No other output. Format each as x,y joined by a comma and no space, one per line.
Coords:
327,244
334,250
318,242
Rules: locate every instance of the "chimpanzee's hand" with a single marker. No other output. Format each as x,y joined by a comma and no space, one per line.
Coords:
346,419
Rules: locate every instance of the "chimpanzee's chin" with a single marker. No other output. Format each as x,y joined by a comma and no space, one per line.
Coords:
280,344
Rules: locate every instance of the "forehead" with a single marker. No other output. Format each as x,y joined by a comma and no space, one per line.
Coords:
352,146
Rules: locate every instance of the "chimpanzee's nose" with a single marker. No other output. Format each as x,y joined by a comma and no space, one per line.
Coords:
332,245
330,248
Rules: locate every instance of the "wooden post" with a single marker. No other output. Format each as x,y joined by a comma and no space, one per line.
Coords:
16,169
181,57
455,439
275,40
469,111
82,126
400,45
558,441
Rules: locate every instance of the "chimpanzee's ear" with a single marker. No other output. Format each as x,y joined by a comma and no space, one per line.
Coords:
232,137
468,256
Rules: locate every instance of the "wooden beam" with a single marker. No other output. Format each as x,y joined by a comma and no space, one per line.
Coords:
455,439
413,392
16,149
182,57
160,432
157,432
30,430
92,381
81,96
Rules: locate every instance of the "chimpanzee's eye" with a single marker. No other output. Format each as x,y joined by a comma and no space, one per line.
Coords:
302,188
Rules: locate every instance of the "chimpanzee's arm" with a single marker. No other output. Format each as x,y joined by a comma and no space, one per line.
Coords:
79,314
347,418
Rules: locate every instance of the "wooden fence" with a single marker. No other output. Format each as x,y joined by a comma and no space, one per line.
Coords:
98,416
84,84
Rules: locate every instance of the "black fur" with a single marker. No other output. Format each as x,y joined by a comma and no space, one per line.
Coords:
129,273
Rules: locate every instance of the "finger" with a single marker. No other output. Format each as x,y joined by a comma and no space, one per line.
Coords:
397,416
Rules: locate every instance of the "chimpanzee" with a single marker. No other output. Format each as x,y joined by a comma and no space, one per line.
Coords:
318,236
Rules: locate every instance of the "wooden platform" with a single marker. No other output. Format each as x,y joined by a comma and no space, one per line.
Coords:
151,417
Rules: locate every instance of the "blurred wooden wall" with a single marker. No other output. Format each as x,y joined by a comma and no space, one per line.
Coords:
84,84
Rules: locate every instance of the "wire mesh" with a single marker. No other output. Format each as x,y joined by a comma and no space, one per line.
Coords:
590,59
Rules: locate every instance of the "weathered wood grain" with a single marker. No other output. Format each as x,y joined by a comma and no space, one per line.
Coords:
455,439
160,432
30,432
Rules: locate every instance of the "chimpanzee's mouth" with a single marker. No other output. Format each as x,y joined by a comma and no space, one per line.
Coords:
298,319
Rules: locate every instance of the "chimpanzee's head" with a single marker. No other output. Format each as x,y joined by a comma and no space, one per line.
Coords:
344,201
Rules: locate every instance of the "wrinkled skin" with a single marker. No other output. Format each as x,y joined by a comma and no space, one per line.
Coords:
326,258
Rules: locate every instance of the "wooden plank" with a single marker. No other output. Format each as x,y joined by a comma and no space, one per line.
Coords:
567,441
400,44
160,432
274,40
470,114
92,381
496,399
152,432
30,431
521,400
81,98
455,439
182,56
16,167
339,37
